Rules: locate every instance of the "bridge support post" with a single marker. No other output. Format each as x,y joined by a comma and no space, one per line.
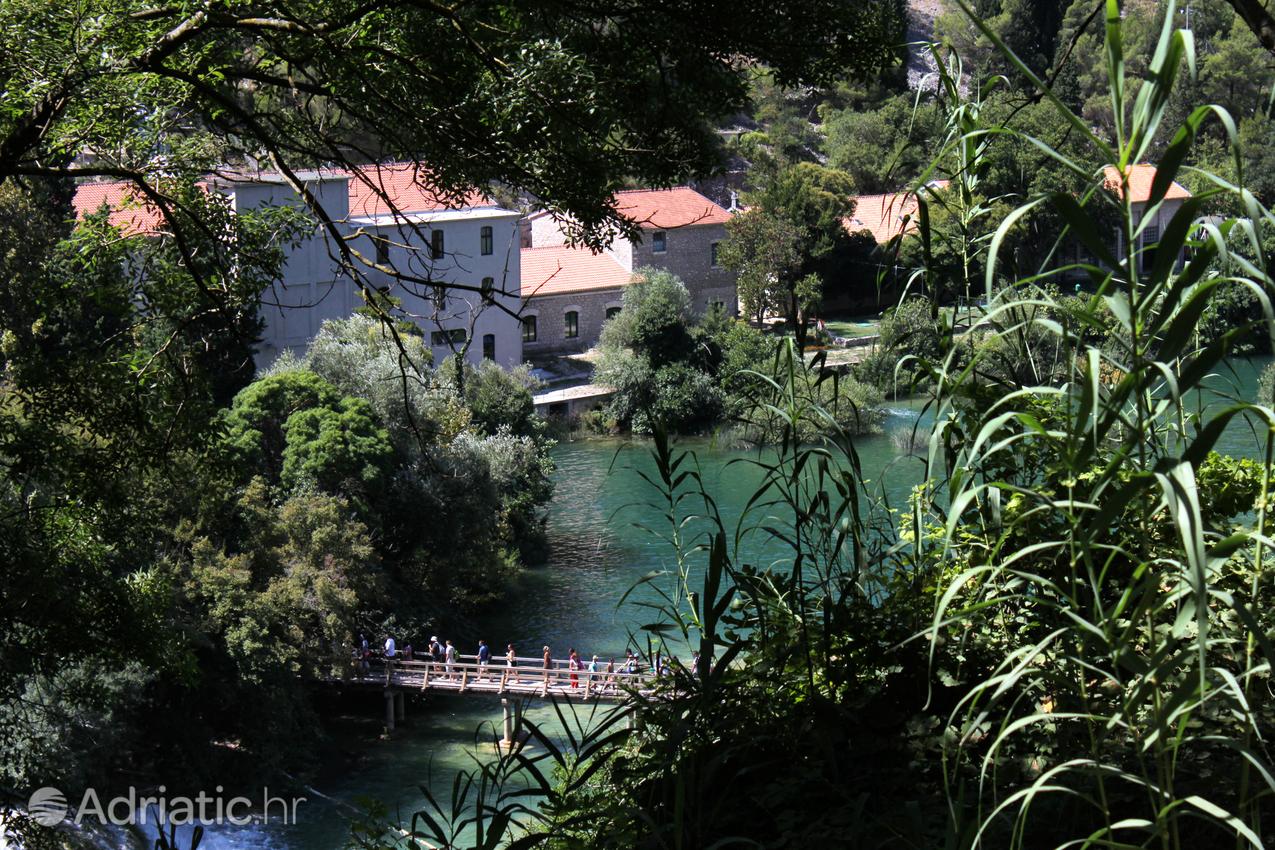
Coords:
389,709
400,705
509,721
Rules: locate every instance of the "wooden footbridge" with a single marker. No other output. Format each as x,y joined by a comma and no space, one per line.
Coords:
526,679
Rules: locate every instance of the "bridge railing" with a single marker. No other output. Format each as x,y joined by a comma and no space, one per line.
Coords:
463,675
521,661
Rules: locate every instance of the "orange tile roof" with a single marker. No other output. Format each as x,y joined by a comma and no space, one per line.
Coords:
373,188
1140,179
664,209
371,192
130,210
886,216
560,270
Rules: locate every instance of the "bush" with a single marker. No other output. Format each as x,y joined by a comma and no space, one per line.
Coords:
685,399
498,398
907,331
655,319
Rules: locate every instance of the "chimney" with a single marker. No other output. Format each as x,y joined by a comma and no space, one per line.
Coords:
734,202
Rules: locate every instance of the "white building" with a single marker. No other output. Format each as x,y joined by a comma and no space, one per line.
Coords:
400,237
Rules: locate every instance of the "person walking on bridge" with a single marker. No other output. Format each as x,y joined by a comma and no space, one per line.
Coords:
450,658
573,664
511,663
548,667
436,655
484,658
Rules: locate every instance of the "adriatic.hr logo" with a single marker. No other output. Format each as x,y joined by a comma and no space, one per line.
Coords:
48,806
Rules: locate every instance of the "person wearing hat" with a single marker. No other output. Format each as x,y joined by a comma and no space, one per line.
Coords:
436,654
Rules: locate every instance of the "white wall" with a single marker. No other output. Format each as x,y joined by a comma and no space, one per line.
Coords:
462,263
314,288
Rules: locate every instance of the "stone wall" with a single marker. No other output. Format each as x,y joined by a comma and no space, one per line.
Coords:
688,254
550,312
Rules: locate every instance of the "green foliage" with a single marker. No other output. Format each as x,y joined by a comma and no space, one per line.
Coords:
763,250
908,333
255,423
119,353
74,723
502,399
340,450
289,601
883,149
654,322
1062,639
359,357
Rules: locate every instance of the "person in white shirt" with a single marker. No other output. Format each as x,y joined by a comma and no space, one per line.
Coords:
450,658
390,647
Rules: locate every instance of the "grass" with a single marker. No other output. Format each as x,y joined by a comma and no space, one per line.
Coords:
853,326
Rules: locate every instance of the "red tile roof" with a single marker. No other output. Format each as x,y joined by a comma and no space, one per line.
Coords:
886,216
1140,179
561,270
409,188
371,191
664,209
131,212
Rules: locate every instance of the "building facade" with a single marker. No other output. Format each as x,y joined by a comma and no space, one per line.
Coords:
569,292
398,237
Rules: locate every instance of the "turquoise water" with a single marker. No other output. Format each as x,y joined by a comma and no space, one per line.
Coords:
599,549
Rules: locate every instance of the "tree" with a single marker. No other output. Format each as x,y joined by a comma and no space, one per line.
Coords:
571,97
655,319
803,207
763,250
885,148
648,354
117,351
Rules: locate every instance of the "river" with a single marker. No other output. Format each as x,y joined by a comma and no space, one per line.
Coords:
598,551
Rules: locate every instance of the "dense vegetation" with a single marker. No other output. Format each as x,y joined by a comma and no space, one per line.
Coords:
880,135
1062,640
186,542
690,375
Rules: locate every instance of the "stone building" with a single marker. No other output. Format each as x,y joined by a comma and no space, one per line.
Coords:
1140,179
895,215
569,292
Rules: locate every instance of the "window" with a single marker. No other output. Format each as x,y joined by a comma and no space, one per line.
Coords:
484,241
712,254
571,323
612,312
1150,237
659,243
489,346
489,287
436,245
455,336
528,328
716,306
382,251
